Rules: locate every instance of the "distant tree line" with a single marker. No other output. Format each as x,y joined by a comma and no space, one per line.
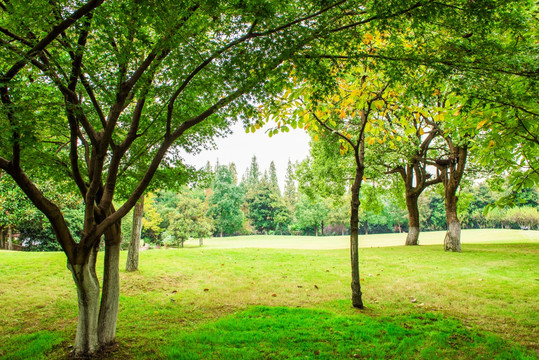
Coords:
224,205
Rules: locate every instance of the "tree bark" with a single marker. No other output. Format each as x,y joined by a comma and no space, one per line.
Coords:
413,218
85,278
9,239
1,238
108,312
200,242
452,236
134,244
357,302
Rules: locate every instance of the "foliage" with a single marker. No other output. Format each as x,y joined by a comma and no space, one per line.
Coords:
188,220
225,202
267,210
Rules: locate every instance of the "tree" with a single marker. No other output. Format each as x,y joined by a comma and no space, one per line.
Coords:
267,209
273,178
290,191
311,214
225,203
134,243
188,220
107,91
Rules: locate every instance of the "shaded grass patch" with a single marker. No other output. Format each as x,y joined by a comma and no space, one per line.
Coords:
292,333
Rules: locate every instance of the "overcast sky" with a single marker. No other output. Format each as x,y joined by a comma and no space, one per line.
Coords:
240,147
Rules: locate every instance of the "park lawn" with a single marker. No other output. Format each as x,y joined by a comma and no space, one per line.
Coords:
252,303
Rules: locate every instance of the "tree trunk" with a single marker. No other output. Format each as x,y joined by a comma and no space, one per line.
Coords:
354,239
108,312
134,244
9,239
413,219
86,340
366,223
322,228
2,246
316,229
452,237
200,242
221,234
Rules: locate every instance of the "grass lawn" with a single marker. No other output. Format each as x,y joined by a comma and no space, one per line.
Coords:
286,297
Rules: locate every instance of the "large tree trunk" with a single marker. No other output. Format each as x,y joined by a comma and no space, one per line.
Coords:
134,244
413,219
354,240
84,275
108,312
452,237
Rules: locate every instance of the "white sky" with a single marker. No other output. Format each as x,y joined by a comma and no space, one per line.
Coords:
240,147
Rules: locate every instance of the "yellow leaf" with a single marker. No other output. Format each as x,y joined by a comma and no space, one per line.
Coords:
349,136
306,117
481,123
319,113
316,137
364,178
342,115
491,143
421,131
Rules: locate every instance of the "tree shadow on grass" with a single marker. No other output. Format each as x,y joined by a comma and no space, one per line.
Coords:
296,333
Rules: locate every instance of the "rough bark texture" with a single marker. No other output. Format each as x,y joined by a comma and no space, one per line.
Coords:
108,312
452,237
413,220
134,244
354,240
85,278
452,175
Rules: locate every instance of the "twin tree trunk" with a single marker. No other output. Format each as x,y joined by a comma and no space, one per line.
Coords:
96,326
413,219
134,244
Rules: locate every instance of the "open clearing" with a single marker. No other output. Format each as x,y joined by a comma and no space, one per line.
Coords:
222,301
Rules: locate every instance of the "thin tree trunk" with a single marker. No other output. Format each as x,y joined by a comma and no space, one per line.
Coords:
2,245
108,312
452,236
134,244
354,240
413,219
85,278
316,229
9,239
200,242
366,223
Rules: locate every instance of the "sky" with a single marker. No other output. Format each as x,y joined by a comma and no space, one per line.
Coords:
239,147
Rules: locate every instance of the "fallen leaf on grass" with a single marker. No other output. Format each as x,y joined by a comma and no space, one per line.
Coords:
206,289
413,300
300,286
316,287
274,295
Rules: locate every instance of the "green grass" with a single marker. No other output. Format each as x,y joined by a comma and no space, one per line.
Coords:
192,298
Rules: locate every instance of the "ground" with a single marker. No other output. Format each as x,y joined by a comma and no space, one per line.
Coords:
287,297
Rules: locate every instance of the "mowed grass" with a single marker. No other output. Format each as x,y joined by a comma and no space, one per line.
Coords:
293,301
